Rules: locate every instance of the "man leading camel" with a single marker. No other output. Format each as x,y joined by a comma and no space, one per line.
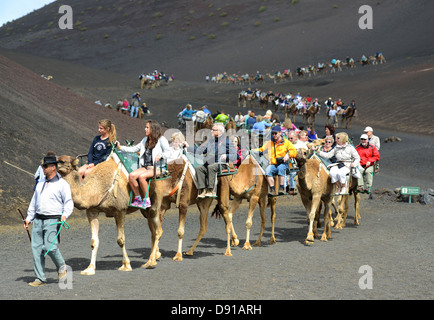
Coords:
51,202
280,151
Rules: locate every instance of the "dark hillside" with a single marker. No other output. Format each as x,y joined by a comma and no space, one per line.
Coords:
193,38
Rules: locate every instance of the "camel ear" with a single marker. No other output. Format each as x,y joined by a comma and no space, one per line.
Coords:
74,164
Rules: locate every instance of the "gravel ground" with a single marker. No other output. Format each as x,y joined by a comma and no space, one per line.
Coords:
393,240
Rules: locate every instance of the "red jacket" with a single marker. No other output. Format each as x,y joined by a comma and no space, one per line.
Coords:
370,153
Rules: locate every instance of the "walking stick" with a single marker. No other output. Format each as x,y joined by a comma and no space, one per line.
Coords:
22,216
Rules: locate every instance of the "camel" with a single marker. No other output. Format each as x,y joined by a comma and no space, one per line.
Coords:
336,65
343,202
249,183
106,190
310,115
291,111
314,185
347,116
246,97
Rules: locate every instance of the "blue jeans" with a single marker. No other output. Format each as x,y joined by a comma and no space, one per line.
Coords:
134,111
43,236
273,170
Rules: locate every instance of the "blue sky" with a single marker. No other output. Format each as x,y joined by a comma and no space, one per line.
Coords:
14,9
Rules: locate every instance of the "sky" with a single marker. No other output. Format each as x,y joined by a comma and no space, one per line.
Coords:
14,9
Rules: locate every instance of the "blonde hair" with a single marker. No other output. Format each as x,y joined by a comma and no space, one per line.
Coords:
330,138
343,136
178,136
107,124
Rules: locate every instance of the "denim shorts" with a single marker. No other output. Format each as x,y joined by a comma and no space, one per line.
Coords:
273,170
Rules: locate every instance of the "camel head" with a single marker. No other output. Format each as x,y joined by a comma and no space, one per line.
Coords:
67,164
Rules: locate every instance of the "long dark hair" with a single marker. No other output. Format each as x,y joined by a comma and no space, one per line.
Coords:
154,135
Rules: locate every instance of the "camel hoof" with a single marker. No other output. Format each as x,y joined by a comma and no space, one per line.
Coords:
189,253
235,242
158,255
89,271
149,265
309,240
324,238
258,244
247,246
273,241
177,257
125,268
228,253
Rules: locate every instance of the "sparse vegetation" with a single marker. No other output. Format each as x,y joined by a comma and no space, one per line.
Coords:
262,8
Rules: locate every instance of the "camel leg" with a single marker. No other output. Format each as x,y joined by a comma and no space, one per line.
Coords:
154,224
262,205
94,243
203,206
356,208
234,207
252,205
224,208
181,230
120,225
273,220
327,230
316,199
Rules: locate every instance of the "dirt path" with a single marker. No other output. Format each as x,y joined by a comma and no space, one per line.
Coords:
393,239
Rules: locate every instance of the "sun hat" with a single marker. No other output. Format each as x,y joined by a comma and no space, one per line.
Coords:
368,129
364,136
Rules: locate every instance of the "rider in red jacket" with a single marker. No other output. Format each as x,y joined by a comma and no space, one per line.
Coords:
368,156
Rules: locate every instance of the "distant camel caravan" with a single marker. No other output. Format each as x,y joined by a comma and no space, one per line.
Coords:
302,71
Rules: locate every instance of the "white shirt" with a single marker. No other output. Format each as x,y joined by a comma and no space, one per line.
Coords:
51,198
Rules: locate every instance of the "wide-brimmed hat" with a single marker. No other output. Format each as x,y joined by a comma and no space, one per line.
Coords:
50,160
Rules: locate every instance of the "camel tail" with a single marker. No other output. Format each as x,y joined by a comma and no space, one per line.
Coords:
269,202
216,212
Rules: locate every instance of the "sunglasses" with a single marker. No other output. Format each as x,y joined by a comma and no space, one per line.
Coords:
363,139
328,142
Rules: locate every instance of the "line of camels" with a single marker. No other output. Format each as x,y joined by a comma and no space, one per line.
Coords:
106,190
301,72
308,114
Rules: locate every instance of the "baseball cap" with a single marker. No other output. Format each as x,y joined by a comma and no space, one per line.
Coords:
368,129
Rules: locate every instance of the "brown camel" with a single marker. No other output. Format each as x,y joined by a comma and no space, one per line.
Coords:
291,111
314,185
163,194
106,190
249,183
309,116
347,116
245,97
343,205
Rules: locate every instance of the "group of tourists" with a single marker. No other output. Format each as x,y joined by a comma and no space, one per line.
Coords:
132,108
155,76
52,202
